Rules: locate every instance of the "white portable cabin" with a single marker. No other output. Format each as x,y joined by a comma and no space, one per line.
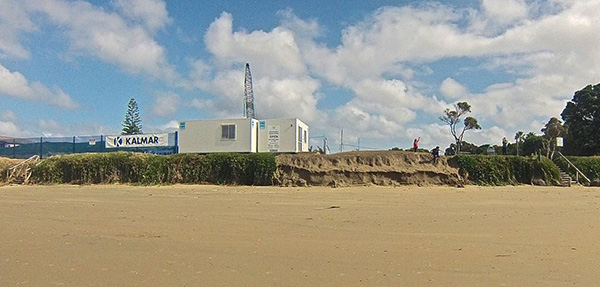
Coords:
282,135
209,136
243,135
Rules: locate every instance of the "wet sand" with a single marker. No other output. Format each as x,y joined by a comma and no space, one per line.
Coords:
117,235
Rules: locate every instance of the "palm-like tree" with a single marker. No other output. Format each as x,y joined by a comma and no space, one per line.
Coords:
519,138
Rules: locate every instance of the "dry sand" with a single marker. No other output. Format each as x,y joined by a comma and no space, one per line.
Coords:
272,236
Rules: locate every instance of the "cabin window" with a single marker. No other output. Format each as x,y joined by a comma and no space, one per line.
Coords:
228,132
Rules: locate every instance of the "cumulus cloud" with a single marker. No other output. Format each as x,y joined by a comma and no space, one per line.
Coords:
168,127
14,20
504,11
269,53
9,127
283,86
165,104
14,84
151,13
451,89
93,31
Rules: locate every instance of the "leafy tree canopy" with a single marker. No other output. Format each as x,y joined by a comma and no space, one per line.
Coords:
582,119
453,117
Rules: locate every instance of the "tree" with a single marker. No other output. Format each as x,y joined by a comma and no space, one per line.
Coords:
452,118
132,125
553,129
518,139
533,144
581,116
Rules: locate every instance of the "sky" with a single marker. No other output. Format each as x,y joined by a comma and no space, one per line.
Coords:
382,71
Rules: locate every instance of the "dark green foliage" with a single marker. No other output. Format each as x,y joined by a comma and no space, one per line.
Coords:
147,169
132,124
503,170
533,144
590,166
582,118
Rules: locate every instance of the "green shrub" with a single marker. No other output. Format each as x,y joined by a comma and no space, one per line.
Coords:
146,169
503,170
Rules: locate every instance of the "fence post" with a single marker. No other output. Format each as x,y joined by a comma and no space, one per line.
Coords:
73,144
176,142
41,147
101,143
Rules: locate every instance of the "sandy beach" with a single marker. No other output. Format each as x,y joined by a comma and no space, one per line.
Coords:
116,235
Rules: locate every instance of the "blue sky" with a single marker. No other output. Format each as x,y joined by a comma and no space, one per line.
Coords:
382,71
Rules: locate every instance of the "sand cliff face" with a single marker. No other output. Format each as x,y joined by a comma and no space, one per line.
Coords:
364,168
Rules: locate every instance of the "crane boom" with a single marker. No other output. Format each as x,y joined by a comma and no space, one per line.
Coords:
248,95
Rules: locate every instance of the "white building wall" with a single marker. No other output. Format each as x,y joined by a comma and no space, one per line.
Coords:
206,136
282,135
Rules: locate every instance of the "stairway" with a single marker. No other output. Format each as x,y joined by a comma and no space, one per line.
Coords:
20,173
566,179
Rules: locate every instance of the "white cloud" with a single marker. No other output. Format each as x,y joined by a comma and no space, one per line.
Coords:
166,104
302,28
169,127
13,21
50,128
282,84
451,89
8,128
14,84
93,31
504,11
269,53
151,13
9,116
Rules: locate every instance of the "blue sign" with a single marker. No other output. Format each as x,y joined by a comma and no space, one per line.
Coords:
182,125
262,125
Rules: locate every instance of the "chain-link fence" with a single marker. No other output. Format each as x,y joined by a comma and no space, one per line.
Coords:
49,146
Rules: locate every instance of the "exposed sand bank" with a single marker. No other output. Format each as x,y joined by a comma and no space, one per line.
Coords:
365,168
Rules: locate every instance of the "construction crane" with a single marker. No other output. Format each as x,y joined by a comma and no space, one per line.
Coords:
248,95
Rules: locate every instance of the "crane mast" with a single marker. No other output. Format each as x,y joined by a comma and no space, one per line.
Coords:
248,95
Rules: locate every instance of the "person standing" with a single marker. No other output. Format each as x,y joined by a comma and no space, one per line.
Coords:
436,154
416,144
504,146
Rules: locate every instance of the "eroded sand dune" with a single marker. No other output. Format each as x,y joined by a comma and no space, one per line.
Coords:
364,168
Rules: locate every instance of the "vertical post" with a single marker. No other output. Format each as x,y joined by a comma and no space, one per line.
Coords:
73,144
342,141
177,142
41,147
101,143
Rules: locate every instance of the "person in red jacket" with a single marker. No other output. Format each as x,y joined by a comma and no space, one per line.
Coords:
416,144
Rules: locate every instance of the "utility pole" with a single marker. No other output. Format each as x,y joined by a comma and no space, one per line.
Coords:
342,141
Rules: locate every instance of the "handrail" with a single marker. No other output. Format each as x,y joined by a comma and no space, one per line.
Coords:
578,171
33,157
11,171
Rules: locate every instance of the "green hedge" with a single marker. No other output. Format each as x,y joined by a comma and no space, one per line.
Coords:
147,169
506,170
590,166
